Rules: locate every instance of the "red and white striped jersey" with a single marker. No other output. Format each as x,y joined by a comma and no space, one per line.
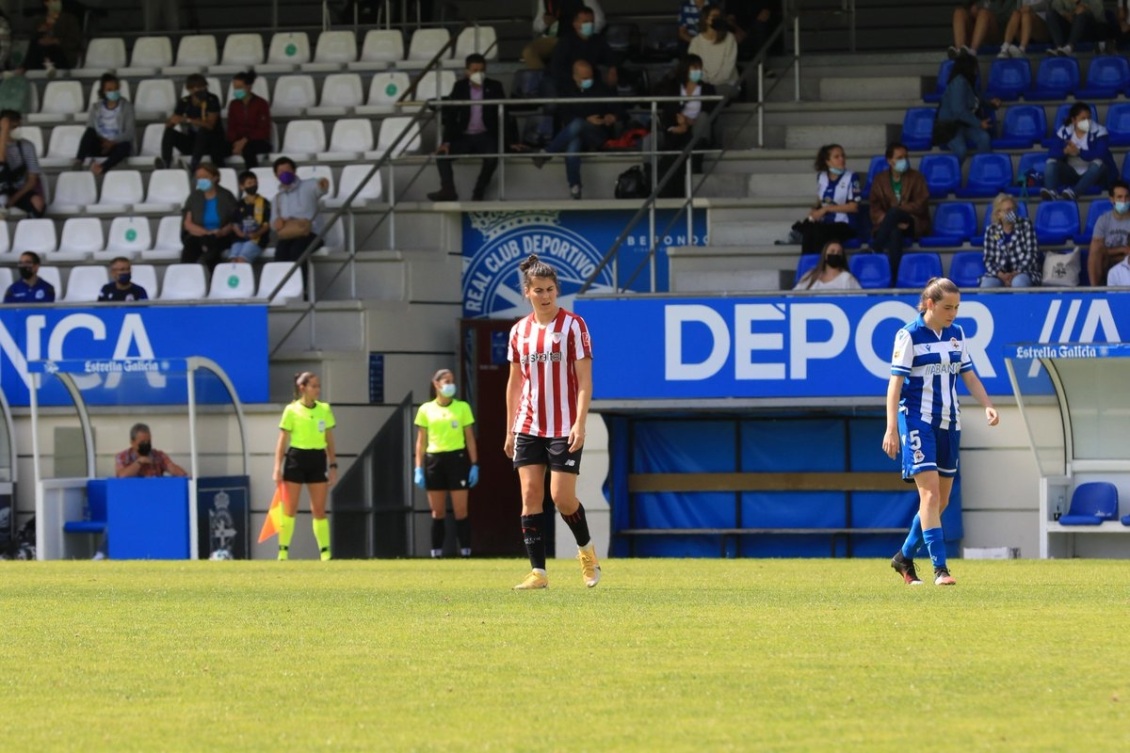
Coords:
548,406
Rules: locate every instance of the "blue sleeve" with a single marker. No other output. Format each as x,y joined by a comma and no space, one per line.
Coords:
8,295
141,293
1099,149
48,293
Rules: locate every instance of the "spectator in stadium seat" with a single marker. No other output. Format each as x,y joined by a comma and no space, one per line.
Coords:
122,288
296,210
251,223
583,44
470,130
199,114
1079,158
208,211
21,180
1012,253
249,121
553,19
1110,242
839,194
142,460
57,41
690,19
718,49
831,273
682,121
1073,21
977,23
752,22
899,205
30,288
587,124
962,116
1025,24
110,130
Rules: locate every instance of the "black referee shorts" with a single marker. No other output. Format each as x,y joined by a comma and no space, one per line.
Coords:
550,451
445,471
305,466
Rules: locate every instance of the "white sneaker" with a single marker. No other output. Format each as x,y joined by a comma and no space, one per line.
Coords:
966,49
52,71
1006,52
1066,50
98,556
1017,52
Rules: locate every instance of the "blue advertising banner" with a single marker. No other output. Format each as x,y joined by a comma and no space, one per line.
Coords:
146,340
495,243
819,346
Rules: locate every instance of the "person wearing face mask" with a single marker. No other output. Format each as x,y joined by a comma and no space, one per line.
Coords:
296,222
21,180
57,41
1079,158
839,194
198,114
1012,253
718,49
446,460
831,273
681,121
251,223
470,130
123,289
208,228
30,288
587,124
249,121
142,459
585,43
1110,242
899,206
110,130
554,19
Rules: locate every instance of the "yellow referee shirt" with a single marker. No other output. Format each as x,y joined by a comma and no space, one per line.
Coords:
307,426
445,424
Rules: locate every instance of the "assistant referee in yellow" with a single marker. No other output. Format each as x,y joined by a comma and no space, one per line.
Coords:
307,427
446,459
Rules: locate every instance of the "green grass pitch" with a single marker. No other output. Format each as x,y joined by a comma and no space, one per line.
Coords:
665,655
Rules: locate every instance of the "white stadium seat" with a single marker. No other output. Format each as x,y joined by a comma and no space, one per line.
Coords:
121,189
303,137
341,92
336,47
5,242
62,147
184,282
232,280
103,54
36,235
351,177
31,133
434,85
426,43
150,54
197,51
241,51
351,138
293,94
62,100
272,274
156,98
82,236
85,283
168,245
385,90
128,237
268,183
480,39
74,191
145,276
55,277
287,52
391,128
167,192
314,172
380,48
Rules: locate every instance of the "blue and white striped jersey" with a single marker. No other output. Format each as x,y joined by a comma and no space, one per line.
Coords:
931,364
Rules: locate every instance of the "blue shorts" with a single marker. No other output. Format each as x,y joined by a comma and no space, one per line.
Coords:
925,448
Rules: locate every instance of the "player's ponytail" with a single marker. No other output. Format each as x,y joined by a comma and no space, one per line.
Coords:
301,379
934,291
534,267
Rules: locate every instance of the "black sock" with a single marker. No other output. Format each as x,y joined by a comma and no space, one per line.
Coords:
535,546
463,532
439,531
579,525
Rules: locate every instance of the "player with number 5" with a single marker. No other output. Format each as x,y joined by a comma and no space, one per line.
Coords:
923,418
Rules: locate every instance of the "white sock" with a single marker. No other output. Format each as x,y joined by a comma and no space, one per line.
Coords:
437,553
540,572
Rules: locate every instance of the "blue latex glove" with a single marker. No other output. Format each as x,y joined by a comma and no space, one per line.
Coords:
473,477
419,477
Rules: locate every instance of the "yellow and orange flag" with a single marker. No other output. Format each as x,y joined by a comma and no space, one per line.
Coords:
274,515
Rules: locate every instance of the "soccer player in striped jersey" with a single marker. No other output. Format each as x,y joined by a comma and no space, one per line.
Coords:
547,403
923,418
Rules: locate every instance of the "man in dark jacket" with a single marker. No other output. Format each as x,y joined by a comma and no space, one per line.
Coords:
469,129
587,125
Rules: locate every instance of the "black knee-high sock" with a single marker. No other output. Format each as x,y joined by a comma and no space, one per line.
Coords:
579,525
439,532
463,532
535,546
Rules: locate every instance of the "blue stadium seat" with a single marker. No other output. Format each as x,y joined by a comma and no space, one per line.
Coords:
1098,208
1024,125
954,223
1056,222
979,240
878,165
1107,77
918,127
1118,123
1009,78
1056,78
805,263
872,270
1092,504
942,173
967,268
916,269
944,71
989,174
1030,161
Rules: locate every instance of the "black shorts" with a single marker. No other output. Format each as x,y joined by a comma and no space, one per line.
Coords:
551,451
445,471
305,466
